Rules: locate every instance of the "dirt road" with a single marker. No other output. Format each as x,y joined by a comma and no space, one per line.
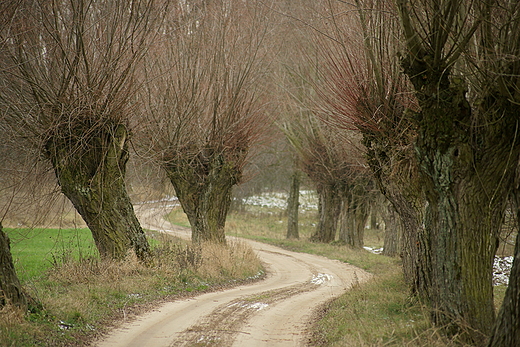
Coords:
271,312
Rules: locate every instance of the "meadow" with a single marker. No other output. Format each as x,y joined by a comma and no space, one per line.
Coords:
76,297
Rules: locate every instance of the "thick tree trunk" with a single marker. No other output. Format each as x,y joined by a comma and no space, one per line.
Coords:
397,175
506,332
293,207
204,192
507,327
329,207
463,235
11,291
393,232
354,218
466,180
93,178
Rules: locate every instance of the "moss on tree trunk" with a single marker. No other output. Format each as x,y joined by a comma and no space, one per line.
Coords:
92,175
467,176
204,186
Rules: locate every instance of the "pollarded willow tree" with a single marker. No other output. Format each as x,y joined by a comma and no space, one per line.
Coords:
362,88
494,60
333,163
67,85
467,144
205,105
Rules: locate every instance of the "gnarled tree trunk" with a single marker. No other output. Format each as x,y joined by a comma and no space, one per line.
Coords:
329,205
466,179
11,291
396,172
507,328
93,178
354,212
204,186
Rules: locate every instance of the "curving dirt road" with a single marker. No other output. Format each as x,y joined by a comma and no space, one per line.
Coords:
271,312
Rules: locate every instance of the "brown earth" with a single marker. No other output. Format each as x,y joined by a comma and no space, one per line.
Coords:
273,312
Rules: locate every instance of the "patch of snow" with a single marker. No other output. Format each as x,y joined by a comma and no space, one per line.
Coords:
321,278
502,270
374,250
308,200
256,305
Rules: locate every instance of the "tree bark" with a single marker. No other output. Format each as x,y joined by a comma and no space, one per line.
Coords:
329,206
396,171
466,179
93,178
293,205
204,187
393,231
354,217
11,291
506,331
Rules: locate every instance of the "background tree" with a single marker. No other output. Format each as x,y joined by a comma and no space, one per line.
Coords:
293,205
328,159
205,106
67,85
362,88
493,64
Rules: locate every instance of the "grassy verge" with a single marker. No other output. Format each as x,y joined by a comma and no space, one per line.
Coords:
378,313
76,296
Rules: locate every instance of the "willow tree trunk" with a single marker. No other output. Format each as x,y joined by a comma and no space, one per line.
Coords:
11,291
353,220
204,187
393,232
397,175
293,205
329,207
92,176
507,327
467,180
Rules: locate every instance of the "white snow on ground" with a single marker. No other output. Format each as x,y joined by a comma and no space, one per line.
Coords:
374,250
501,270
308,200
320,278
256,305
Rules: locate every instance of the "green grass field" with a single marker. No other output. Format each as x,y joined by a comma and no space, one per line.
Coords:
36,250
74,295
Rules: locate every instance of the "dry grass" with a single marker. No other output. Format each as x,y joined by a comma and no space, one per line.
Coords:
79,299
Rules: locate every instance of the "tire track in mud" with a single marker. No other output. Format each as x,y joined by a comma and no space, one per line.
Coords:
224,323
271,312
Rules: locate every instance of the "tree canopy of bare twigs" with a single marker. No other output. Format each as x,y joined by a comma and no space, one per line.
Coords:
204,105
67,89
450,127
361,87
